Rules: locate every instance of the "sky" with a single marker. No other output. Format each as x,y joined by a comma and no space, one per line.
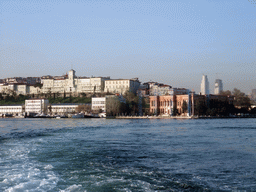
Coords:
168,41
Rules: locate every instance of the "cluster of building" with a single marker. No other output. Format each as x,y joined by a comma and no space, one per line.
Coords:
163,99
205,90
68,83
42,106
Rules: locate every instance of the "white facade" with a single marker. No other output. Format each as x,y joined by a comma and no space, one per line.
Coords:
205,86
73,84
122,85
218,88
11,109
161,90
64,108
99,103
36,106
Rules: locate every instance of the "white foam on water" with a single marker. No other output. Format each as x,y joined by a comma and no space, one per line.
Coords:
22,172
72,188
48,167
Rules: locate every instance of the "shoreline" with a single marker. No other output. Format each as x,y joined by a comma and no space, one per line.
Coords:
143,117
178,117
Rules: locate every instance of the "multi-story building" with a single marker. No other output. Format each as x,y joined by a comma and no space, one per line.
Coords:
100,103
166,100
160,89
218,88
205,86
36,106
184,104
122,85
71,83
64,108
11,109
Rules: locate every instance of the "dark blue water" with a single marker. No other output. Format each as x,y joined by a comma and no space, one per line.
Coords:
127,155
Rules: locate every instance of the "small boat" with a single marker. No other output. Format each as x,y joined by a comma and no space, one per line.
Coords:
60,116
91,116
78,115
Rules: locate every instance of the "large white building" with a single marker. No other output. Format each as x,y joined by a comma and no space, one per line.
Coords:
36,106
101,102
205,86
11,109
71,83
218,87
64,108
122,85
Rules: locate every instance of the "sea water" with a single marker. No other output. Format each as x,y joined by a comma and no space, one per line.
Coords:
127,155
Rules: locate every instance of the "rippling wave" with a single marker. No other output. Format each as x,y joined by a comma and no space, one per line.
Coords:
127,155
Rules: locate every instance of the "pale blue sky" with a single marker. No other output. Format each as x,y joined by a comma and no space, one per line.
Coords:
169,41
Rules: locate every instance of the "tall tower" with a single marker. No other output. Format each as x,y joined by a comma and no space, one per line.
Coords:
71,76
218,88
205,85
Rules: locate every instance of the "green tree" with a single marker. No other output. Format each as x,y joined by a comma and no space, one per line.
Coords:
241,99
113,106
132,102
226,93
175,111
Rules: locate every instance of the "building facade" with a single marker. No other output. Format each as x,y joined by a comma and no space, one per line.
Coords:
64,108
71,84
218,86
122,85
205,86
99,103
11,109
36,106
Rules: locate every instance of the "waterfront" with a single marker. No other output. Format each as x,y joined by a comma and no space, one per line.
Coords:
127,154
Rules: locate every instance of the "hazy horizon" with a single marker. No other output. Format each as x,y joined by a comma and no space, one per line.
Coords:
172,42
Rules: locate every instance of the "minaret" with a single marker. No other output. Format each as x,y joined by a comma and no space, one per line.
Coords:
205,86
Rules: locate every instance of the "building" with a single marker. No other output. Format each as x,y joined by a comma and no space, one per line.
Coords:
100,103
218,87
186,104
11,109
70,83
122,85
205,86
253,95
36,106
64,108
160,89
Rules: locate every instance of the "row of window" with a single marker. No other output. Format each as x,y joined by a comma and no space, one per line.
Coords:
166,103
164,111
98,102
98,107
179,103
56,108
117,82
11,109
118,86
